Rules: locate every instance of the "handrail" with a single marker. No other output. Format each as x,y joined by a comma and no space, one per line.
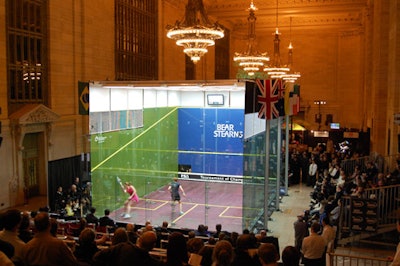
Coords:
388,202
336,259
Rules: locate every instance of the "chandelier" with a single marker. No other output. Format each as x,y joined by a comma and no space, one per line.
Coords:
196,32
276,69
291,76
251,60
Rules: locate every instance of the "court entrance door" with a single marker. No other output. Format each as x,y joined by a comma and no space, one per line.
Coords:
33,163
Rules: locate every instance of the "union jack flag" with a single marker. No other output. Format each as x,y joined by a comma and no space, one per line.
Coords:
270,99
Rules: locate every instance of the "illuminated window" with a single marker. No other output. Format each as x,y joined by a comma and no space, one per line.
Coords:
136,39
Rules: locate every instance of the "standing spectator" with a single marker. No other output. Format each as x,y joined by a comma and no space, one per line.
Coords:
300,231
313,247
11,220
312,173
59,200
304,162
295,167
44,249
328,233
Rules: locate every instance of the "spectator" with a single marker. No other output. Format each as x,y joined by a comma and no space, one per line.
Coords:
132,233
291,256
328,232
25,233
244,253
300,231
126,253
222,253
44,249
91,217
177,250
268,255
106,221
263,238
314,247
11,220
120,236
86,247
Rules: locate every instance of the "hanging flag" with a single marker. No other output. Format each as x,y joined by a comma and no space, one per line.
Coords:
83,94
294,104
250,105
292,98
271,103
288,89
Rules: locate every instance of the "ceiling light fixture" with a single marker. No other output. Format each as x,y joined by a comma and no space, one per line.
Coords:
196,32
251,60
275,69
291,76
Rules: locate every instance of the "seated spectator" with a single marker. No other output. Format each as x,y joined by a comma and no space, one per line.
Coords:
25,233
91,217
120,236
7,249
291,256
132,233
106,221
126,253
86,247
268,255
194,245
4,260
177,250
218,230
263,238
44,249
244,255
206,255
222,253
201,230
11,220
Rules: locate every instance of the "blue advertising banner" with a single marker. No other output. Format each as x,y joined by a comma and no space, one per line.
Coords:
210,140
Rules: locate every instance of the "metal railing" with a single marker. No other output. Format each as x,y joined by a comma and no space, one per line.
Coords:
334,259
383,164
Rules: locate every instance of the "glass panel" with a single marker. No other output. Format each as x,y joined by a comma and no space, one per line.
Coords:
221,174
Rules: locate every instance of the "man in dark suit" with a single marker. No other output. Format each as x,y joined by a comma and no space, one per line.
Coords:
91,218
106,221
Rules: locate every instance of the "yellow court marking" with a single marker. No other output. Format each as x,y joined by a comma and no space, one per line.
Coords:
177,219
228,216
133,140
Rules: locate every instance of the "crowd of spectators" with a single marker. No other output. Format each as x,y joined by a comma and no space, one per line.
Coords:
36,239
330,180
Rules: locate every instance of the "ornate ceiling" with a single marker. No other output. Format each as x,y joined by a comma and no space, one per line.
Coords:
306,14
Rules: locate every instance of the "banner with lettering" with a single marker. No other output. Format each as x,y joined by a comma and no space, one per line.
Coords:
210,140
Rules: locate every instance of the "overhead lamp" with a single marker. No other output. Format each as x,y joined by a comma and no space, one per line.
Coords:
276,69
291,76
251,60
196,32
